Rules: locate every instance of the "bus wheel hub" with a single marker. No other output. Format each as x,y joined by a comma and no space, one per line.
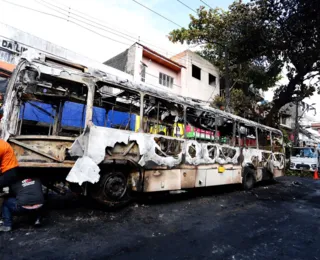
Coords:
115,186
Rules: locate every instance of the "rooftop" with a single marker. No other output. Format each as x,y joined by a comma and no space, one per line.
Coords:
159,58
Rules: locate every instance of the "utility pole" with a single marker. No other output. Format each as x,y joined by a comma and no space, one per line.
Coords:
227,79
296,124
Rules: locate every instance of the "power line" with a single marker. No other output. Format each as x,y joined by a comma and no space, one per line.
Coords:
72,13
68,20
69,13
157,13
102,35
70,17
159,48
100,62
187,6
206,4
95,18
164,16
59,17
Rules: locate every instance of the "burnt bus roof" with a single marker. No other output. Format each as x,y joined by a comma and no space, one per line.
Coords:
105,75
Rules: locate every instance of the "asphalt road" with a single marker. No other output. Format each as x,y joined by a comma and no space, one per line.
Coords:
279,221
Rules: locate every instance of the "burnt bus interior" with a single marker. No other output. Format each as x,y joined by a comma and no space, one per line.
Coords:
55,106
50,106
115,108
158,113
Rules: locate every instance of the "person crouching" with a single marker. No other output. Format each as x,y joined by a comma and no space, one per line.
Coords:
27,199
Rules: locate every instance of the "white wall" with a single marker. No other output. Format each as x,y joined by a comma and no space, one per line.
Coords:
289,121
195,88
20,39
137,62
153,70
135,59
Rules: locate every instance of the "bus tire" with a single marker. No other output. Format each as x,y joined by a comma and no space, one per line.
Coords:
248,179
271,178
113,190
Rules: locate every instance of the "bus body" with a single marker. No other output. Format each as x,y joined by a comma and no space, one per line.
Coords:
304,159
111,136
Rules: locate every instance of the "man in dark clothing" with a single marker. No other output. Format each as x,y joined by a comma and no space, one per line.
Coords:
28,199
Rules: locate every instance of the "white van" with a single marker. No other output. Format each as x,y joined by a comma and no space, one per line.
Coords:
304,158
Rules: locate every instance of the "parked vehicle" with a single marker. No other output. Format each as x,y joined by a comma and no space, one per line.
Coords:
304,158
67,122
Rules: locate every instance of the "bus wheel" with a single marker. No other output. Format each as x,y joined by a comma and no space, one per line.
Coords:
112,190
248,180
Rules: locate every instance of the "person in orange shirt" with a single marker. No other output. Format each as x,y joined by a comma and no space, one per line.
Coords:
25,193
8,164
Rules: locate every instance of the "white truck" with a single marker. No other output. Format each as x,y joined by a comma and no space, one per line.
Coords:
304,158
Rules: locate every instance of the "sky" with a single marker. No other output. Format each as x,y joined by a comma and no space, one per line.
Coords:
124,16
119,24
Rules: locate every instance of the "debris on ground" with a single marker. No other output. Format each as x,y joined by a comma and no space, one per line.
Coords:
296,183
193,222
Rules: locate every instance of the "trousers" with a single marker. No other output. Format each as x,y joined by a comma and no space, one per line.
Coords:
10,207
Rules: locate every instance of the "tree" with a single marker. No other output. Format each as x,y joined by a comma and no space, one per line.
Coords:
242,104
262,37
291,31
220,33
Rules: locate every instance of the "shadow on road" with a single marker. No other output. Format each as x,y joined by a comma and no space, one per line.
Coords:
70,201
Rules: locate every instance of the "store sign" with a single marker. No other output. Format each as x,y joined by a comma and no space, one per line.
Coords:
12,46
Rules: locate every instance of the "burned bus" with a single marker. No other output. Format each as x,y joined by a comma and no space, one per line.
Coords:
113,137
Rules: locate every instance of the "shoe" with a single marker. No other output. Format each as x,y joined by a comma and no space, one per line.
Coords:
37,223
5,229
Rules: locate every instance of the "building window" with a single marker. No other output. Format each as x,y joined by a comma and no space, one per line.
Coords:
143,72
196,72
165,80
212,80
284,120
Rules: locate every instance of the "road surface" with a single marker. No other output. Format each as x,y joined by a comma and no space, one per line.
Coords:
279,221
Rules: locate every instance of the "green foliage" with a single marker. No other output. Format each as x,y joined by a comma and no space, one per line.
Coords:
216,31
301,174
286,138
241,104
291,30
262,38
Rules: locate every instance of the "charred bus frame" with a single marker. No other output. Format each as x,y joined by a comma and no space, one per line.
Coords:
116,158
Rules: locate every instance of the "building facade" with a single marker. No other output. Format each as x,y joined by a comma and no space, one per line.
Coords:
146,65
287,115
308,136
185,74
200,80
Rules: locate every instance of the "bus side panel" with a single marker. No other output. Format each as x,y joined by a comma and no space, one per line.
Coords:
188,178
278,173
162,180
229,176
201,176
